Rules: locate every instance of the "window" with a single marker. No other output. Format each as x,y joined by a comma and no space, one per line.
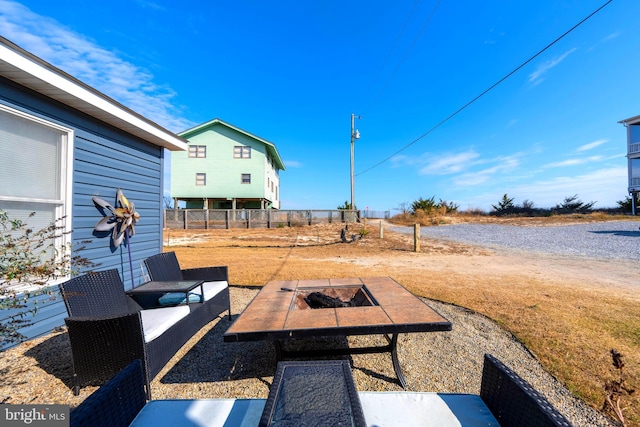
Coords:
246,178
40,179
241,152
201,179
635,173
198,151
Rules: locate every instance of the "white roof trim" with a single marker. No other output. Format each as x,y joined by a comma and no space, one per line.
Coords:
30,71
631,120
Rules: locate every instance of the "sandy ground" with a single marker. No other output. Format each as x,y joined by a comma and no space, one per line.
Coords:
435,256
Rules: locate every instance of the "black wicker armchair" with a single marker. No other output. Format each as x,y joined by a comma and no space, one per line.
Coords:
116,403
108,329
513,401
165,266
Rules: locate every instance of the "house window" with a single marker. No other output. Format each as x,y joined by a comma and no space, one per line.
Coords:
241,152
201,179
199,151
635,173
39,180
246,178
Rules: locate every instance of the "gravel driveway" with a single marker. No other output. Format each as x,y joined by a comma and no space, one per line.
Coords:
608,240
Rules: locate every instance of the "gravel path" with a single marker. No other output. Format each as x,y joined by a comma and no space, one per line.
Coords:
604,240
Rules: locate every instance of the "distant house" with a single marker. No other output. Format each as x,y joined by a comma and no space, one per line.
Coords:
226,168
633,158
62,142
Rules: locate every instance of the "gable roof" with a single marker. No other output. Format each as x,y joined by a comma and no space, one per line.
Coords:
28,70
271,148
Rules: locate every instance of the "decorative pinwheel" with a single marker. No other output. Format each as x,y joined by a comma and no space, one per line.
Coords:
122,218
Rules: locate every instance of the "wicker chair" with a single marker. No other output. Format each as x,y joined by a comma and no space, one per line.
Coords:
165,266
116,403
513,401
107,328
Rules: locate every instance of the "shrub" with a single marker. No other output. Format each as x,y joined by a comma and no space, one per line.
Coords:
424,205
504,206
626,205
345,207
573,205
31,260
449,207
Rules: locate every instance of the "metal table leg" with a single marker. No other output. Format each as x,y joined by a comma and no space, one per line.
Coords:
392,347
396,362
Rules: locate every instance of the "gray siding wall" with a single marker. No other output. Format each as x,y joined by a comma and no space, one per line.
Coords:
105,159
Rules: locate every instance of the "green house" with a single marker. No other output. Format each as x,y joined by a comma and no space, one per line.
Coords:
226,168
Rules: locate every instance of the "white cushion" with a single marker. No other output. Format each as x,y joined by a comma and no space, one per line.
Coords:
425,409
211,289
157,320
201,413
381,409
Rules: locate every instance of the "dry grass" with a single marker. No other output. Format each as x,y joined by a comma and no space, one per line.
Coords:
456,218
568,312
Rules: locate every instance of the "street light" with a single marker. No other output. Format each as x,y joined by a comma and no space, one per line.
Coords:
354,135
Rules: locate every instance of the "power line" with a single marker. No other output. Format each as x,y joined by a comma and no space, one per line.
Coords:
395,43
487,90
408,51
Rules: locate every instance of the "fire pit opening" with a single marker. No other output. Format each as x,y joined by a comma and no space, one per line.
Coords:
345,296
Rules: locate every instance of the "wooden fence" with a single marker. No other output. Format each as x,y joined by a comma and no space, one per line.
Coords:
260,218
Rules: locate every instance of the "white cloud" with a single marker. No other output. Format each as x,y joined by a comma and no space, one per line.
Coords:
537,76
448,163
604,186
592,145
98,67
572,162
293,164
505,164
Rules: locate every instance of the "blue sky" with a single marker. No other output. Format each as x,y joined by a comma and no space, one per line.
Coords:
293,72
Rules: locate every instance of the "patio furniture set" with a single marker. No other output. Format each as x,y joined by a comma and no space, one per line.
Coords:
123,339
109,328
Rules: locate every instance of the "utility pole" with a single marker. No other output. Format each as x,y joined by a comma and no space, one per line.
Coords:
355,134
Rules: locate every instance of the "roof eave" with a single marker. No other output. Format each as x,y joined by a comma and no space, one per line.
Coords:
630,120
26,69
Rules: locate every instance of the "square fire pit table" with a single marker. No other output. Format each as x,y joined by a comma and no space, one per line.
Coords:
282,311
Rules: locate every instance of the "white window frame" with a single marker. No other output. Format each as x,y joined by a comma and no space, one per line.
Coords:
203,181
242,178
241,152
63,205
195,151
